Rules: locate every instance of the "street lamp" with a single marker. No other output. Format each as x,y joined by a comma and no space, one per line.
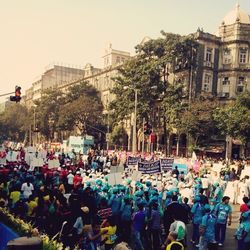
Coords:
134,142
134,139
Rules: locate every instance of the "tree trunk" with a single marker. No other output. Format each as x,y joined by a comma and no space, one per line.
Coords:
165,136
178,145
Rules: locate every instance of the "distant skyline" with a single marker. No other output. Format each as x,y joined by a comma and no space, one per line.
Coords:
35,34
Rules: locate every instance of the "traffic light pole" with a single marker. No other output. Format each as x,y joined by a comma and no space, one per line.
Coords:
7,94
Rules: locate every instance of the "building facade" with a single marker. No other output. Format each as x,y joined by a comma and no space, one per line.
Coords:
54,77
222,69
222,66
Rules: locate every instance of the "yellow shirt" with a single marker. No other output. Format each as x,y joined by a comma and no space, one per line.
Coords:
110,236
14,196
31,206
45,198
169,246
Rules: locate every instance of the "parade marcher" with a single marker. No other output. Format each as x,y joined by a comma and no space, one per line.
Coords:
224,215
197,212
244,207
155,226
172,243
139,220
126,213
240,231
108,230
207,229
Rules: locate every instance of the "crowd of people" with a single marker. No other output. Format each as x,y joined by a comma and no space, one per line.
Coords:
155,212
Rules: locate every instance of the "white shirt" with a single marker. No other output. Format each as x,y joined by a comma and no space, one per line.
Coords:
204,182
175,226
70,178
27,190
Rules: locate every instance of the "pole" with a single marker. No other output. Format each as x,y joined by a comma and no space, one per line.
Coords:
108,133
34,130
134,125
7,94
143,136
30,134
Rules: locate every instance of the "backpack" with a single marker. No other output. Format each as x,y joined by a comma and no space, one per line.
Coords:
180,230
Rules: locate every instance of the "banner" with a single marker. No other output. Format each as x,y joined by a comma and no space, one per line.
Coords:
114,179
132,161
167,164
149,168
53,164
116,169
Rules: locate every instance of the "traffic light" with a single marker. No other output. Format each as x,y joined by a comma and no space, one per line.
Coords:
17,97
147,128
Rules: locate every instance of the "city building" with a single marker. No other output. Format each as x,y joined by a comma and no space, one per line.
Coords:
54,77
222,68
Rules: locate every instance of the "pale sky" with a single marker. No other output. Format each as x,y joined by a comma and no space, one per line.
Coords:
36,33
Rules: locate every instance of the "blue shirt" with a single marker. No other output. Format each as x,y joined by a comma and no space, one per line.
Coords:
209,221
155,219
247,230
222,212
139,221
126,212
115,203
197,211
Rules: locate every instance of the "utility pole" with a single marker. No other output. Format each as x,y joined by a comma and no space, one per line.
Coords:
143,136
134,124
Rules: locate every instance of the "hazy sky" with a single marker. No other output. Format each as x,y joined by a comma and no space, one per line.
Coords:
35,33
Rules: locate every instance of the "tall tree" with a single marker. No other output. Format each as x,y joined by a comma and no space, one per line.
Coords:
85,113
13,122
234,119
47,112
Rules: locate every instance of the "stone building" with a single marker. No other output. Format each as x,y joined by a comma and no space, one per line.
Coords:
222,65
54,77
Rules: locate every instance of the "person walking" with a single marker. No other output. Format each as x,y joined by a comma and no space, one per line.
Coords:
207,228
139,219
223,212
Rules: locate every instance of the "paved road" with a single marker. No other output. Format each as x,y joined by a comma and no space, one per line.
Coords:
230,243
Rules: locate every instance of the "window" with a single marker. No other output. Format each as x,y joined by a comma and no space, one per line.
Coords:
241,80
209,53
243,55
227,56
225,81
118,59
207,83
240,84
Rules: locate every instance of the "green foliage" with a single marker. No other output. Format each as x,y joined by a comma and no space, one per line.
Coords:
81,112
148,73
234,119
78,107
118,135
47,111
198,120
13,122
